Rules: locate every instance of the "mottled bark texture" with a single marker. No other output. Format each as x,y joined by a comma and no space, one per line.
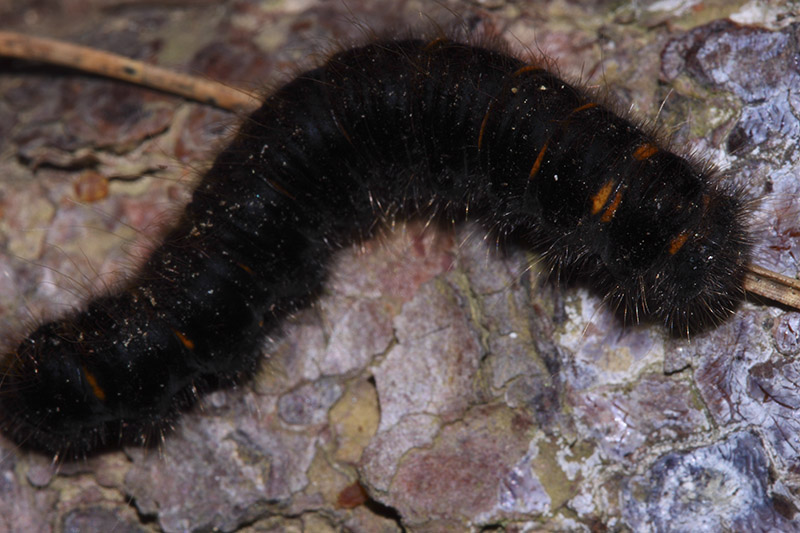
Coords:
449,382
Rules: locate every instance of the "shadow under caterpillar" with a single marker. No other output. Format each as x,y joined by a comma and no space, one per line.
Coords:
432,129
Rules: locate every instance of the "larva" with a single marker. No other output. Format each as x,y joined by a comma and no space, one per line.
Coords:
414,127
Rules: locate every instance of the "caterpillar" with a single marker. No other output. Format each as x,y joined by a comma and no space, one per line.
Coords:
434,129
698,346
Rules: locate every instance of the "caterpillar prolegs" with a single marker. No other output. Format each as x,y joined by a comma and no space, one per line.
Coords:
407,128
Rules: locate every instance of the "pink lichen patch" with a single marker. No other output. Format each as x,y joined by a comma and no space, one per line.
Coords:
460,476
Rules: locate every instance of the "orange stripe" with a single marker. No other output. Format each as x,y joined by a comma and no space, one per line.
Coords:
538,162
526,68
483,126
245,268
608,214
583,108
645,151
275,185
601,197
676,243
434,43
98,392
341,129
186,341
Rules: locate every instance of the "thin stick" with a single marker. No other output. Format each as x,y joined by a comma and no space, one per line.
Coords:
122,68
758,280
774,286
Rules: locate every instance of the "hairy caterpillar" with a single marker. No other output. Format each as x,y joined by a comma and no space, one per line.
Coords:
436,129
608,441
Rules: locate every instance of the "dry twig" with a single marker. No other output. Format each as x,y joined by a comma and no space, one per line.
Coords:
773,286
122,68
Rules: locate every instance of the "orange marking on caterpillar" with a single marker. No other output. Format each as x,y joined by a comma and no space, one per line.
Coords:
280,189
645,151
186,341
583,107
483,126
538,162
345,134
601,197
523,70
341,128
676,243
611,210
97,390
434,43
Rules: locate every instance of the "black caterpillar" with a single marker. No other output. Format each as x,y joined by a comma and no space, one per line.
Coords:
435,129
